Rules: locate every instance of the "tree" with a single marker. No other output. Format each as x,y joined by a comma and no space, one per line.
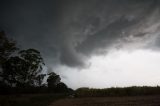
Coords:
34,64
61,87
7,47
13,71
39,79
53,80
55,84
24,69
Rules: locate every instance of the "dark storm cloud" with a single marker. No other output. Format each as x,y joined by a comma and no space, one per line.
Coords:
33,23
70,31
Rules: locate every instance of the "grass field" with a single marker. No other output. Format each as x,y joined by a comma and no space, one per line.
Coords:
29,99
110,101
63,100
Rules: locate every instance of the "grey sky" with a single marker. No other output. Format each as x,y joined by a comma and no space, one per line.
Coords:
69,33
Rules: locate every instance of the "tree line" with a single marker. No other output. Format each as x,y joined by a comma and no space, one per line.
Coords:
21,71
117,91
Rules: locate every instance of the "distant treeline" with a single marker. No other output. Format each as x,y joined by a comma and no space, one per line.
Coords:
126,91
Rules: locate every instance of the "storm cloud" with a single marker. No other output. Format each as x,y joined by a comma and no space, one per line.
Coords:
69,32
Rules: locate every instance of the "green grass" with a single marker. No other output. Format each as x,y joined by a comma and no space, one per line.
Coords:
29,99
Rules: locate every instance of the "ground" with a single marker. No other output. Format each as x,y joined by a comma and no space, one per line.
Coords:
110,101
29,99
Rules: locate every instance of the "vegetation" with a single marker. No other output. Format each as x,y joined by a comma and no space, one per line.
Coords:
152,100
127,91
53,80
7,47
21,71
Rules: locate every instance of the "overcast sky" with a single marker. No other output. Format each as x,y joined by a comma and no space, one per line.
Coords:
90,43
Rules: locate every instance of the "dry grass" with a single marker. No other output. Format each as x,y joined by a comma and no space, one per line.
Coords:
110,101
29,99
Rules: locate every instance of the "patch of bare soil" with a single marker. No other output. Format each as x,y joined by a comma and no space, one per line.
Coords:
110,101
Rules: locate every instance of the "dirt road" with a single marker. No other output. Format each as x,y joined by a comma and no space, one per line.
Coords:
110,101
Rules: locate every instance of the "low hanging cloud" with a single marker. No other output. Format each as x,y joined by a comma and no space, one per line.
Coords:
70,32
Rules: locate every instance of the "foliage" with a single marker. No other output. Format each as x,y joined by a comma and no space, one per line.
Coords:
13,71
23,70
33,59
127,91
61,87
53,80
55,84
7,47
39,79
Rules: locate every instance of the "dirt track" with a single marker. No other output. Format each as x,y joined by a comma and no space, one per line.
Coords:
110,101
